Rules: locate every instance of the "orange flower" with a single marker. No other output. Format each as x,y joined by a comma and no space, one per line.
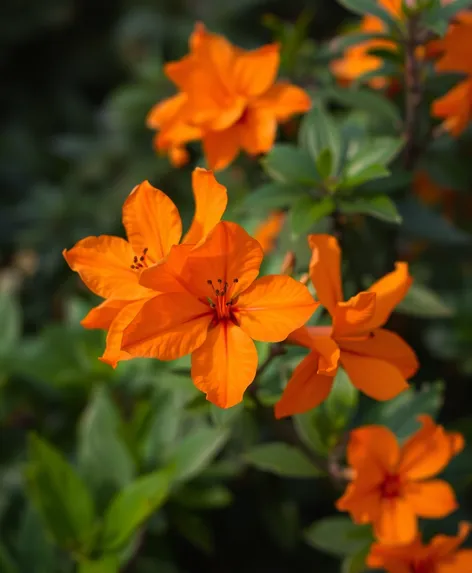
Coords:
392,485
377,361
215,311
111,266
228,98
441,555
455,107
268,231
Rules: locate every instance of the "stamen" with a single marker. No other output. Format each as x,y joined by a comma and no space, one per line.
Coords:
135,259
235,280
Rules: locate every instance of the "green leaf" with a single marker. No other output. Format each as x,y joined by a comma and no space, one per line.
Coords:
36,553
324,163
370,7
60,497
401,414
283,460
104,461
194,497
275,196
422,222
131,507
338,536
196,451
378,151
108,564
366,100
308,211
341,404
195,530
319,131
368,173
356,563
10,319
7,564
437,19
422,301
225,417
289,164
379,206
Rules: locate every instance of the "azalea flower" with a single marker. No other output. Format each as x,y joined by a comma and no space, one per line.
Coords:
392,485
228,98
215,311
111,266
268,231
441,555
377,361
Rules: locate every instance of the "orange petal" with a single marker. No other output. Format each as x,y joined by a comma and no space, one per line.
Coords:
394,559
461,562
104,264
434,498
166,110
444,545
376,378
229,255
167,327
169,274
113,353
387,346
284,100
257,130
255,71
152,221
221,147
178,156
429,451
224,365
274,306
352,318
305,390
211,199
325,269
103,315
364,504
374,445
455,107
397,523
390,290
180,71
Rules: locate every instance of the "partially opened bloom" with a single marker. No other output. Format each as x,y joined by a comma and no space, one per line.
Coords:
392,485
441,555
215,310
228,97
377,361
111,266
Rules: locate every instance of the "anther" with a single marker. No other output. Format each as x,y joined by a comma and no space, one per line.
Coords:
141,258
133,267
217,292
235,280
209,282
145,250
135,259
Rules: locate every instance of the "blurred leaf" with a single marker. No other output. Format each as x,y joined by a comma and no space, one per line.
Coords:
308,211
131,507
379,151
34,549
379,206
421,221
369,7
422,301
318,131
194,497
282,520
356,563
368,173
437,19
289,164
108,564
367,100
225,417
275,196
104,461
341,404
195,530
10,319
60,496
324,163
7,565
338,536
196,451
401,414
283,460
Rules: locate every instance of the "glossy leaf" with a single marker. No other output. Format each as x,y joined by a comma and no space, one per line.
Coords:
289,164
283,460
379,206
308,211
275,196
338,536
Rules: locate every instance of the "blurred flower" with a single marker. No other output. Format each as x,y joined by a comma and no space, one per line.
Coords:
377,361
268,231
218,309
392,486
228,98
441,555
455,107
111,266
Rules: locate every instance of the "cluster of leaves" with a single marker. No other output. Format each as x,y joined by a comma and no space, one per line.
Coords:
131,469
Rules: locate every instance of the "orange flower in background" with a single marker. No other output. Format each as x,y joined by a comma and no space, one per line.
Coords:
215,311
455,107
228,98
357,60
441,555
392,486
111,266
267,233
377,361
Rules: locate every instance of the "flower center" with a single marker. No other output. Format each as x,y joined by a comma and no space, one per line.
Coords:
142,262
222,300
423,566
391,487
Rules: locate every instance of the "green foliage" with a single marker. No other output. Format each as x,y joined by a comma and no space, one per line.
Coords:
338,536
282,459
